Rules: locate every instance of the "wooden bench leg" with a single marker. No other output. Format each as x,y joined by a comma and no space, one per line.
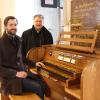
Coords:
4,97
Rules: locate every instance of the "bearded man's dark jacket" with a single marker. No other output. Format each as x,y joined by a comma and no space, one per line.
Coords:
10,64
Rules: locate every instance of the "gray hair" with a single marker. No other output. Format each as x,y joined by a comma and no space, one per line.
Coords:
38,15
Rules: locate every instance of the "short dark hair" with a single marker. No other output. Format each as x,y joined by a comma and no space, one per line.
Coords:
8,18
38,15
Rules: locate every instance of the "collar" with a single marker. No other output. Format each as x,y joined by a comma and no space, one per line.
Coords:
36,30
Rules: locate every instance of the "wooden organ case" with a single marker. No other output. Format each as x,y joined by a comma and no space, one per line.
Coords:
64,63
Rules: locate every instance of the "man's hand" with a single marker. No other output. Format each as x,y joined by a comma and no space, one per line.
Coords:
40,64
21,74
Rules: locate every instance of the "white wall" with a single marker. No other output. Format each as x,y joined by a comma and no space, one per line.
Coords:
7,7
26,9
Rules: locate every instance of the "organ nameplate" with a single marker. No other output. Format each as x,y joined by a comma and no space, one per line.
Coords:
66,59
67,36
60,57
73,61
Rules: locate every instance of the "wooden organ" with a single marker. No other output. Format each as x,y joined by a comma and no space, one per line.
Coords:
64,63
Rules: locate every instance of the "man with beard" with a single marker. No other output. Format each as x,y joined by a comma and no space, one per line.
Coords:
13,74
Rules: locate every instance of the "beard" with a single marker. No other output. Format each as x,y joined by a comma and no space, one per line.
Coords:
12,31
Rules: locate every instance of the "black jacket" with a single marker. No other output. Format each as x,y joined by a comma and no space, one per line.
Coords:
10,64
32,39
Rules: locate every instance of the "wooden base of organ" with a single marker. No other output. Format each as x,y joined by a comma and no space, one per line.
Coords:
59,92
64,64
